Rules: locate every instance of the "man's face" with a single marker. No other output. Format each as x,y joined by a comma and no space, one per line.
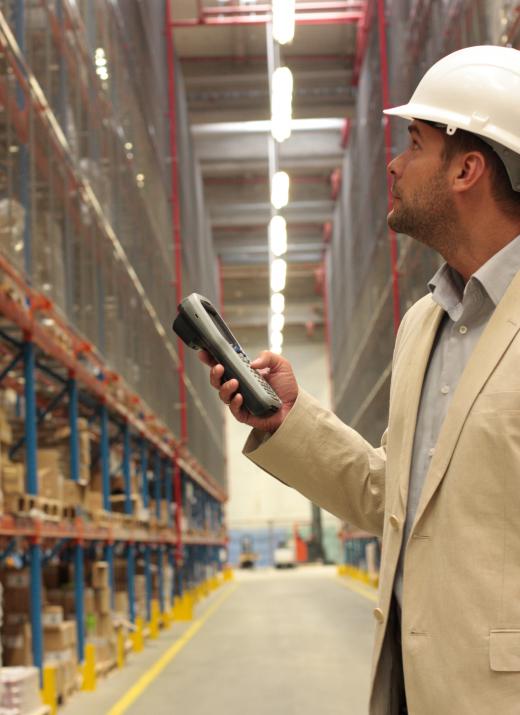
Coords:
423,204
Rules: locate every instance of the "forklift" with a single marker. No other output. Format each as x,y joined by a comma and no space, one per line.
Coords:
247,556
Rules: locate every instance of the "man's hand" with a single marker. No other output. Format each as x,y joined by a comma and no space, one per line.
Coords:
273,368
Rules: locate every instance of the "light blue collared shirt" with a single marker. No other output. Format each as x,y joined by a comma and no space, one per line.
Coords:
467,311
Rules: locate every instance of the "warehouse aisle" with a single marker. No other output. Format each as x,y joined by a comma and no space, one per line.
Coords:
273,643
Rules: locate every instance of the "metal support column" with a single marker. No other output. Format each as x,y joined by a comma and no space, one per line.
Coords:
171,562
79,581
144,473
126,469
148,580
73,424
109,558
31,444
157,473
130,568
160,575
105,458
36,604
168,477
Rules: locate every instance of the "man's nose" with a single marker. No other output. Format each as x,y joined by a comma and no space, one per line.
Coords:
392,166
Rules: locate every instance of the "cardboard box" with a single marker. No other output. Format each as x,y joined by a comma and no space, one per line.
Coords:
17,600
59,637
51,576
93,501
100,575
16,578
104,626
50,484
17,645
89,601
13,478
52,616
6,433
72,493
121,602
140,586
84,474
20,690
102,600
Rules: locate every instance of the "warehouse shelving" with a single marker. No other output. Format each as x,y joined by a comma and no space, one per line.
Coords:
85,311
373,276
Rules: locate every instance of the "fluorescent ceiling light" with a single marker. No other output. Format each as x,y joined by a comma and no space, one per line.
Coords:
277,322
280,190
277,302
276,338
281,104
276,349
278,274
278,235
284,19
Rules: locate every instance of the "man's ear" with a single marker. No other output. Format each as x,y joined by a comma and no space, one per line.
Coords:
468,169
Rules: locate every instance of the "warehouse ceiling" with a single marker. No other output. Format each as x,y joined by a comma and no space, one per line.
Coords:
226,78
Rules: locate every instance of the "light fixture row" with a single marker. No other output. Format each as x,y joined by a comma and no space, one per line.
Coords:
281,120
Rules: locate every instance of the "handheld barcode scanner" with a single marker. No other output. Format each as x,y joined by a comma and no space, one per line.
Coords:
201,327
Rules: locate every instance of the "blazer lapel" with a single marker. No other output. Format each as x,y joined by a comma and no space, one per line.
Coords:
494,341
415,370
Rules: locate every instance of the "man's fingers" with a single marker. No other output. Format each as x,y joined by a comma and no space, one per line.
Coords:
235,407
215,376
266,359
227,391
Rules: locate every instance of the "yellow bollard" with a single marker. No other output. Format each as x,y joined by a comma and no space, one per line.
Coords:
89,668
176,607
154,621
121,655
166,618
49,694
185,611
228,574
137,636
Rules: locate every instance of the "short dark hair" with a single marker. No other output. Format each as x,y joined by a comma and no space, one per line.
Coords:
462,142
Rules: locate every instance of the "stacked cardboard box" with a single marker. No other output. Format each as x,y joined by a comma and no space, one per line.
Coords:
103,635
16,629
140,595
20,692
59,646
54,466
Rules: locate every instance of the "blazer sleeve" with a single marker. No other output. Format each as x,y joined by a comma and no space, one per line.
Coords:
327,461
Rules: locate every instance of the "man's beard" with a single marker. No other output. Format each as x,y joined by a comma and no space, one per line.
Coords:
429,215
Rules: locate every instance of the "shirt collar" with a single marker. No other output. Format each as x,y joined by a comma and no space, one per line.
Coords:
447,286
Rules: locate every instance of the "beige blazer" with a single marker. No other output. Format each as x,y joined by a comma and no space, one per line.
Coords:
461,591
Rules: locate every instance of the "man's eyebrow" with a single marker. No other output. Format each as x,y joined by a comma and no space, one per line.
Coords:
414,129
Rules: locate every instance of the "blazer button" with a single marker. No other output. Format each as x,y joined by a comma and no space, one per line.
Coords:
379,615
394,522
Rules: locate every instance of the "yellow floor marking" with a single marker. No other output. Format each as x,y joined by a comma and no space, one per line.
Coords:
353,586
144,681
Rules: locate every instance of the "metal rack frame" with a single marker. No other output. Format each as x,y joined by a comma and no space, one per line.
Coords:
54,369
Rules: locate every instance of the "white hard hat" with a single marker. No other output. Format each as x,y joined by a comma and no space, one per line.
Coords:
476,89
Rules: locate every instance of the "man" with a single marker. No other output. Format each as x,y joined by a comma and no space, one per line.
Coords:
443,490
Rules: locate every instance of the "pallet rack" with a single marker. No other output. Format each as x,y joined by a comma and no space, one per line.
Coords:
58,370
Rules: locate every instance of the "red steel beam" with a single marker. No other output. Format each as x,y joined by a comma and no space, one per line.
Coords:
266,8
363,32
310,18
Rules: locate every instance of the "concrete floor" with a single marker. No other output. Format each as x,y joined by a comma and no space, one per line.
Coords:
283,643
